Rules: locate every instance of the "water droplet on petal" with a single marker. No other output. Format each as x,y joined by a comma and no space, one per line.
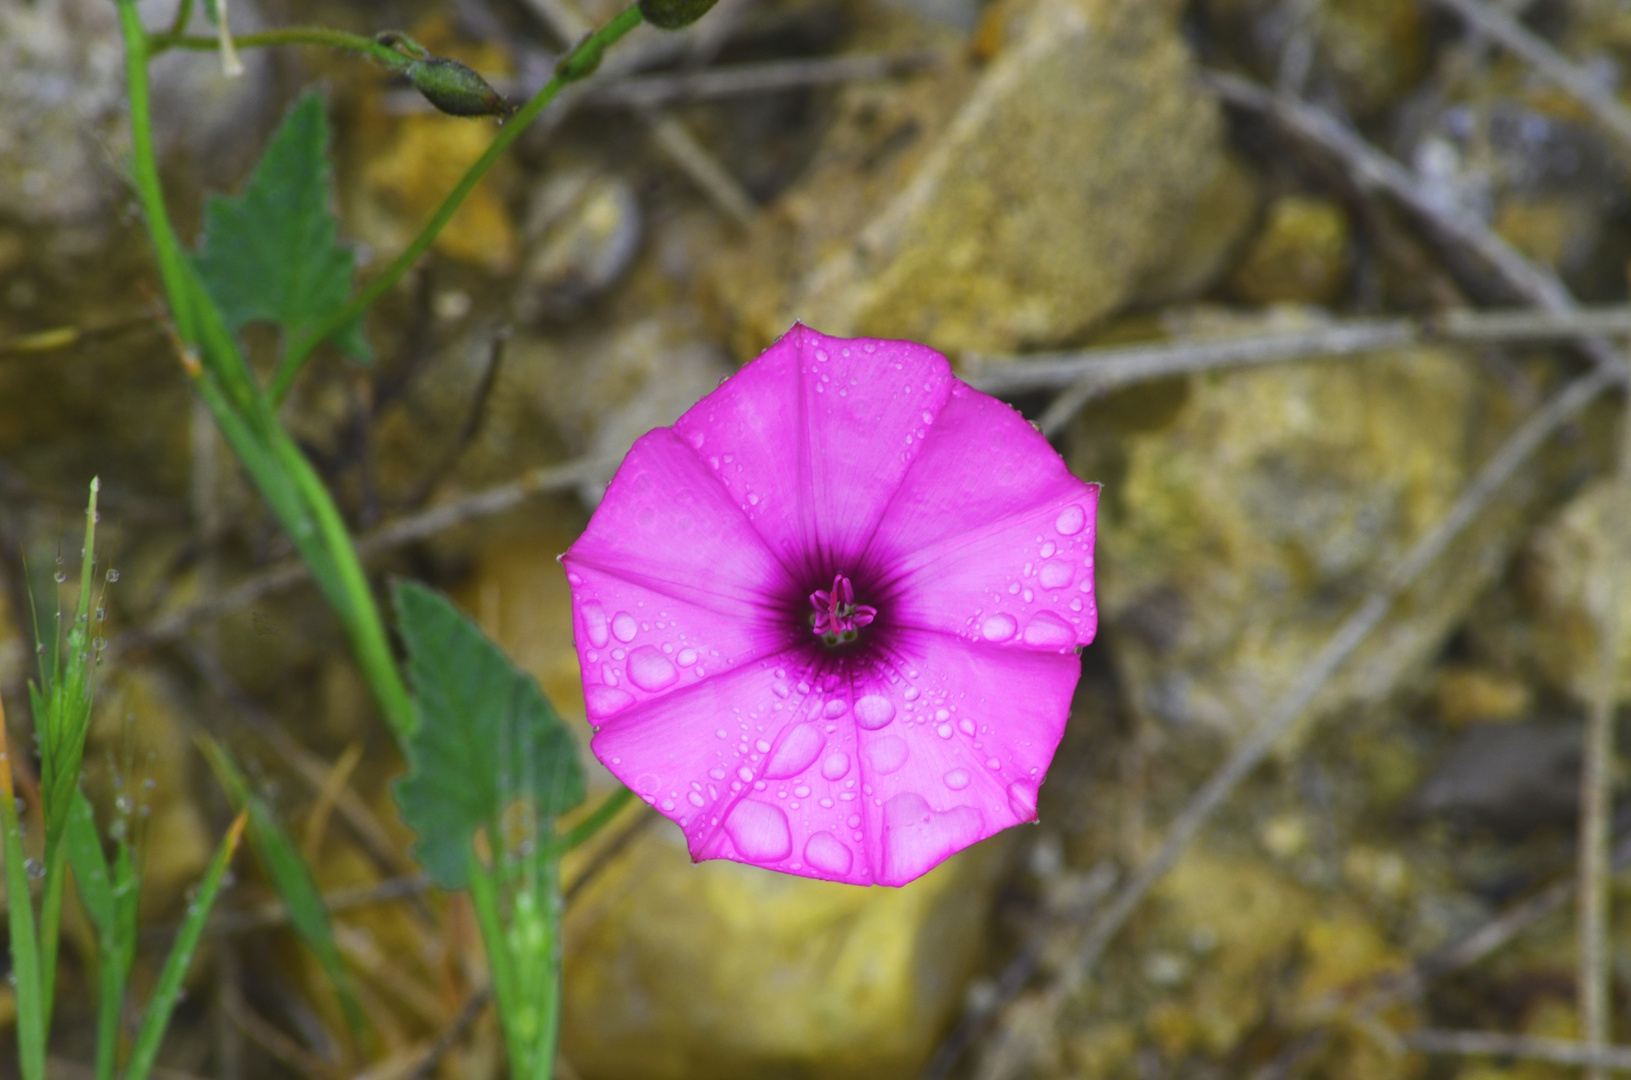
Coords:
998,627
836,765
827,853
944,731
686,658
759,831
1048,548
800,746
966,726
874,711
1049,631
650,670
1071,520
595,624
624,626
696,799
835,708
1055,574
957,779
886,754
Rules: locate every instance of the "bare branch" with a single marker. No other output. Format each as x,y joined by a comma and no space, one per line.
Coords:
747,80
1560,1051
1552,65
1115,366
408,530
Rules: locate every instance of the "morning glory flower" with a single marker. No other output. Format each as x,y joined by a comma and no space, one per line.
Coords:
828,621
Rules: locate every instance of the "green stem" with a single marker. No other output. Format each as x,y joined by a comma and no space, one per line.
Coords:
145,169
184,15
285,478
601,816
579,64
383,55
500,962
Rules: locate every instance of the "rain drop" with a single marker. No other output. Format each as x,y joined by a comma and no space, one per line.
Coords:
874,711
1048,630
957,779
998,627
1071,520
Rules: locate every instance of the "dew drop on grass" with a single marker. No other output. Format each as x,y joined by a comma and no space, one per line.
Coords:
113,577
60,576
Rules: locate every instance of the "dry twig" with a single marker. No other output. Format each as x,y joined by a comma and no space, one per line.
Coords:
1529,1047
748,80
408,530
1575,80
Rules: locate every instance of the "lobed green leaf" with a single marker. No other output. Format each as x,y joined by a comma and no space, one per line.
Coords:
487,743
271,253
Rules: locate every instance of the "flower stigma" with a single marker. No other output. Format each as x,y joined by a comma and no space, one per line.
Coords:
837,618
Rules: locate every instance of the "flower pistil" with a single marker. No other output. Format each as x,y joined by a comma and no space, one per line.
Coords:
837,618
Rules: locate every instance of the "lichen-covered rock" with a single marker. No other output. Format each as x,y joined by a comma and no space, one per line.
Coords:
1300,256
1567,572
1256,509
985,209
722,970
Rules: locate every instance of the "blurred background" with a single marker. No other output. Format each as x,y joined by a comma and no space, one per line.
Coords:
1000,180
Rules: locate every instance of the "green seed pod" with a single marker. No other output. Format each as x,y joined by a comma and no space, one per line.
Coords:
456,89
674,14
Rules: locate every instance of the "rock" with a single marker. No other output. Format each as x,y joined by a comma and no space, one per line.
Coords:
986,209
1566,576
64,132
644,374
1300,256
1248,513
410,163
585,231
723,970
1475,695
1512,777
1209,240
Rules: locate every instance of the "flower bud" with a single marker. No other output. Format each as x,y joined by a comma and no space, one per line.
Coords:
456,89
674,14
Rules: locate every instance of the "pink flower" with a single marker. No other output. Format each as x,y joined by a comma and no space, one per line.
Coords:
828,621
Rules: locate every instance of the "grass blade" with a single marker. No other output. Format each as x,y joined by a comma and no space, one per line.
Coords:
25,955
168,988
278,855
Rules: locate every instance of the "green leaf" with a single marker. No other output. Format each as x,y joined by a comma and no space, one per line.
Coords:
275,850
167,991
487,741
271,254
90,867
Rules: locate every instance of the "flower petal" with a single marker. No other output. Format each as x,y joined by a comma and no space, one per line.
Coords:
753,765
636,642
813,438
665,523
989,536
950,753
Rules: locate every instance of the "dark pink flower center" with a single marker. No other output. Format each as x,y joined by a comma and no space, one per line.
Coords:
837,618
